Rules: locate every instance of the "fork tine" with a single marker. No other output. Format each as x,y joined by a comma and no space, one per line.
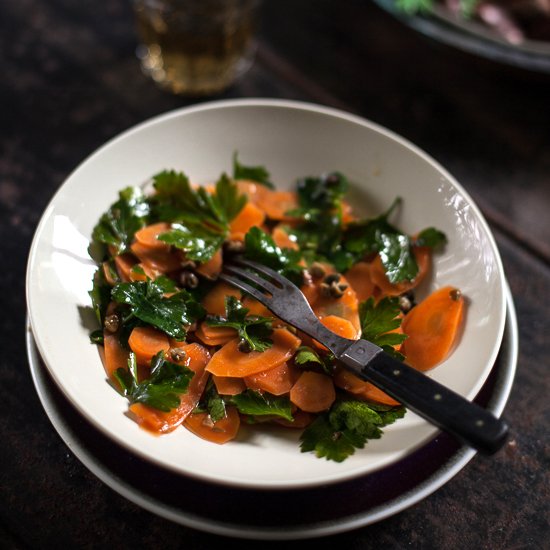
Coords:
253,277
263,269
245,287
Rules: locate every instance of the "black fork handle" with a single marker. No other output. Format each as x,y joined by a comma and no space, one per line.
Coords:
466,421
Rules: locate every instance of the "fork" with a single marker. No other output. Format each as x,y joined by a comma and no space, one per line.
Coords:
466,421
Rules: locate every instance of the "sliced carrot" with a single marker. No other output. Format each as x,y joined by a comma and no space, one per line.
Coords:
214,301
220,432
142,272
196,358
247,218
275,204
227,385
340,326
248,188
214,336
146,342
349,382
302,419
110,277
212,268
124,264
277,381
347,213
256,308
282,239
148,235
115,355
346,306
313,392
229,361
423,255
359,277
433,328
160,259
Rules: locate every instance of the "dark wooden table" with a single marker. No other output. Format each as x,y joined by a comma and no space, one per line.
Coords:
70,81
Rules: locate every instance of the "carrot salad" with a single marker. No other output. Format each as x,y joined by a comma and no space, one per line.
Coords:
189,350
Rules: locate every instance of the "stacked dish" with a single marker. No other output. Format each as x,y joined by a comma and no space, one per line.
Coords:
293,139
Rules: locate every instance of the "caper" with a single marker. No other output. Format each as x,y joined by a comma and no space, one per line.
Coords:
178,354
189,280
112,322
317,270
244,346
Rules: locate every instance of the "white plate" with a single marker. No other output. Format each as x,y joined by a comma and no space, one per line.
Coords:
363,501
474,37
291,139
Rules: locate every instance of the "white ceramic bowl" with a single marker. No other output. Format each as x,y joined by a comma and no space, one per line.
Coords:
292,140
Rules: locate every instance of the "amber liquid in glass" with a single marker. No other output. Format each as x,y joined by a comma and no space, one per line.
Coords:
195,48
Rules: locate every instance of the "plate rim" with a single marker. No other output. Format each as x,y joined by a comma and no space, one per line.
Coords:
440,27
436,480
279,104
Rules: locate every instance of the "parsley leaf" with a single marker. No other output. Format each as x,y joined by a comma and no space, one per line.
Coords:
147,302
211,402
347,426
377,322
201,219
117,226
260,247
199,243
431,237
320,211
253,329
308,356
100,295
176,201
161,391
254,403
378,235
255,173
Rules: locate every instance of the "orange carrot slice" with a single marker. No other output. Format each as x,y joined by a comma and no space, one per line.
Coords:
359,277
275,204
212,268
220,432
313,392
115,355
160,259
423,257
227,385
214,301
277,381
229,361
214,336
346,306
340,326
196,358
347,213
148,235
302,419
247,218
146,342
124,264
365,390
433,328
282,239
